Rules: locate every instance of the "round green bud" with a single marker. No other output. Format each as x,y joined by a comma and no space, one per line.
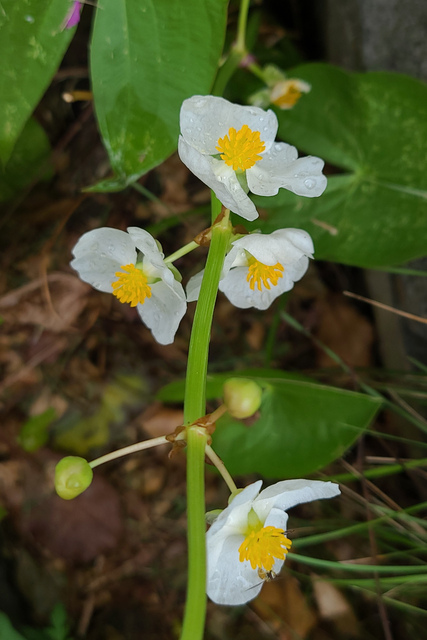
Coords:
73,475
242,397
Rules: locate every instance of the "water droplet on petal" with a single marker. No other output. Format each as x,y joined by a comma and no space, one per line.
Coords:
277,146
309,183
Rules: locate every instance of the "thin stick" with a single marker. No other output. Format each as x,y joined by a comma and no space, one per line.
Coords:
386,307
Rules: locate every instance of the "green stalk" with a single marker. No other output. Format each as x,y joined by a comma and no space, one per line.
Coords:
195,606
237,53
358,568
194,408
195,386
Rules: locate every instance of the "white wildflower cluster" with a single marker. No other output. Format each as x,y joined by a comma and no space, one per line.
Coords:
233,150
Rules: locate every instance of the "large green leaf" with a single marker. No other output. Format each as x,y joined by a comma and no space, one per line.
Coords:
375,126
32,43
28,160
147,56
302,426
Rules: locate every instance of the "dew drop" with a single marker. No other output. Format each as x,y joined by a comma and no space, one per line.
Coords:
277,146
29,19
110,248
309,183
261,119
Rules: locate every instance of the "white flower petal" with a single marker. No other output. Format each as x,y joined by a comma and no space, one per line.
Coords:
236,287
193,286
205,119
235,517
115,244
218,177
277,518
145,243
295,242
163,312
303,176
230,581
100,253
263,248
289,493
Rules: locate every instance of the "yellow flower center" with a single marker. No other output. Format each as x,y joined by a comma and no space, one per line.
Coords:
259,273
263,546
241,149
131,285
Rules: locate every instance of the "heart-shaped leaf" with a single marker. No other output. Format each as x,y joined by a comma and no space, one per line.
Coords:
373,125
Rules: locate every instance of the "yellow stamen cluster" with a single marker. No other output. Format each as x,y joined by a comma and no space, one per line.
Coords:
241,149
259,274
263,546
131,285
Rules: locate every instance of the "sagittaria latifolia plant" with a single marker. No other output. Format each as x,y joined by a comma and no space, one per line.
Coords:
232,149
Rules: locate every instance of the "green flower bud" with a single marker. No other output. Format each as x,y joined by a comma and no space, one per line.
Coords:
73,475
242,397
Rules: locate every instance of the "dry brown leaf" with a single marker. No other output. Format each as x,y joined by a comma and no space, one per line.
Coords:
158,420
333,606
28,305
344,330
282,603
77,530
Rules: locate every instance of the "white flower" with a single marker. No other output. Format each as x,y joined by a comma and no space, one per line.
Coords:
231,149
259,268
286,93
108,259
247,543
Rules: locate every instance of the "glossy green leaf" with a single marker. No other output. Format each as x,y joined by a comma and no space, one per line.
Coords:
302,426
147,56
374,126
29,160
7,630
32,44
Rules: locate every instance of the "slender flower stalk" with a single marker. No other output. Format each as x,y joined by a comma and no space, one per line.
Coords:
125,451
194,408
213,457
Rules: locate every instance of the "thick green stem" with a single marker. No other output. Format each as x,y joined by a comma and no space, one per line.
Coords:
194,408
194,402
195,607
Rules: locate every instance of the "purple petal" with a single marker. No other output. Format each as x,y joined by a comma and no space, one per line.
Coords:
73,16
